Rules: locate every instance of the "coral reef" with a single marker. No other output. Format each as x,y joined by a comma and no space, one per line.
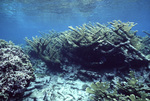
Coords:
47,47
15,71
112,45
129,90
104,44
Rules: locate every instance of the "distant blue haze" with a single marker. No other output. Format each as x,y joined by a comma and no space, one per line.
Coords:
16,23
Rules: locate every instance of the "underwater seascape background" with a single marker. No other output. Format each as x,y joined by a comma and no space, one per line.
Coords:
74,50
25,18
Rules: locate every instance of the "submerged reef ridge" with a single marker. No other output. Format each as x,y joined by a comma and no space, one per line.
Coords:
114,44
15,71
104,44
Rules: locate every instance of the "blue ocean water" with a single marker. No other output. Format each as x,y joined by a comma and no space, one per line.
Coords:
25,18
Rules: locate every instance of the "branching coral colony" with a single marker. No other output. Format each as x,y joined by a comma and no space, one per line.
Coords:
47,47
129,90
100,44
93,44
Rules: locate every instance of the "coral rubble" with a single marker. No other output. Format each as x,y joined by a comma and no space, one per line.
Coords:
15,71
